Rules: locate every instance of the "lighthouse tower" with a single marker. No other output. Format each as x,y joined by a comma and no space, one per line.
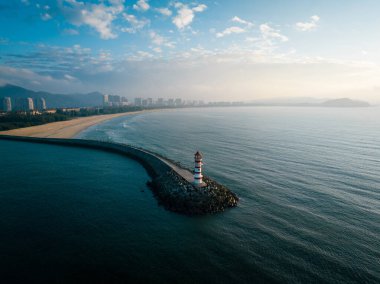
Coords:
198,170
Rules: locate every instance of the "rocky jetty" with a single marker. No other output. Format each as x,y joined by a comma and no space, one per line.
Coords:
172,190
178,195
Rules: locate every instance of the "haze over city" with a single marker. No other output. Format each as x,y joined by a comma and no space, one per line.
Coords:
204,50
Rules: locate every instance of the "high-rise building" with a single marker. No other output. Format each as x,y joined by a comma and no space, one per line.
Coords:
25,104
29,104
40,104
178,102
124,101
111,100
160,101
114,99
6,104
138,101
105,100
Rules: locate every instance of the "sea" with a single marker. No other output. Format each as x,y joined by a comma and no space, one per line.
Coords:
308,179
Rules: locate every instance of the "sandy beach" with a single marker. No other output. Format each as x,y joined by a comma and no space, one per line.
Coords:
64,129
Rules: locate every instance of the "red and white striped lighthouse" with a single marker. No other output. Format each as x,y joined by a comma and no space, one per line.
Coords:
198,169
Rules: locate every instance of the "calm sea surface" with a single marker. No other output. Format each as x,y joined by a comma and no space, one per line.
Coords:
308,180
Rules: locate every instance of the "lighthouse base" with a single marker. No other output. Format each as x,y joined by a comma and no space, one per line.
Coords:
203,184
181,196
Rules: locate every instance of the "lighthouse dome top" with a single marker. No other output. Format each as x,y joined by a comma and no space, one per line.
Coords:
198,155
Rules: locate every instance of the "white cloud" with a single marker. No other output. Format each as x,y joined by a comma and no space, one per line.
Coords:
200,8
141,5
30,79
308,26
252,39
270,33
98,16
46,17
135,23
236,29
69,77
315,18
184,17
185,14
157,49
156,38
164,11
230,30
143,55
160,40
236,19
277,74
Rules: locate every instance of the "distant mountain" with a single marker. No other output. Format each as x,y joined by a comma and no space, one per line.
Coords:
53,100
291,101
345,102
310,102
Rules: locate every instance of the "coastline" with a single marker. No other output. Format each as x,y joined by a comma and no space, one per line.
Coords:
171,184
67,128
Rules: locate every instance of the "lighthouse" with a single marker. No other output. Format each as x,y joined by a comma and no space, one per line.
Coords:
198,170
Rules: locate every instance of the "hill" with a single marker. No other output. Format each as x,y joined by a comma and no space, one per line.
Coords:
53,100
345,102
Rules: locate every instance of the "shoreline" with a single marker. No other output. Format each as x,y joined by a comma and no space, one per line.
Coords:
67,128
171,184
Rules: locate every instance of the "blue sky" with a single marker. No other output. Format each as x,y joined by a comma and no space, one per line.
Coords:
230,50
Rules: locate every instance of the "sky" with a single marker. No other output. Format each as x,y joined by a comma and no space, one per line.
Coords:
239,50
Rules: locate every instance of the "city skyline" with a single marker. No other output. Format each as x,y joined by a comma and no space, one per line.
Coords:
205,50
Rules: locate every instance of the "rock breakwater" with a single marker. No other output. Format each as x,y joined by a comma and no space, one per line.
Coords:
178,195
171,189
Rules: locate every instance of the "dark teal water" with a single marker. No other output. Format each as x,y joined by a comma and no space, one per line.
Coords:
308,179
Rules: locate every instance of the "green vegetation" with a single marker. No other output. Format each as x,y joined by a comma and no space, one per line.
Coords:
14,120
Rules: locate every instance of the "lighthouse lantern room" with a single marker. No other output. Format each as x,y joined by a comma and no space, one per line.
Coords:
198,177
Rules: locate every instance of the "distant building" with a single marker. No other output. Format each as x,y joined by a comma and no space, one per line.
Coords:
144,102
178,102
6,104
170,102
29,104
150,101
40,104
73,109
24,104
138,101
124,101
105,100
114,99
160,102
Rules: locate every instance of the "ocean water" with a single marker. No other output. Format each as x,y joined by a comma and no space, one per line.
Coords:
308,181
